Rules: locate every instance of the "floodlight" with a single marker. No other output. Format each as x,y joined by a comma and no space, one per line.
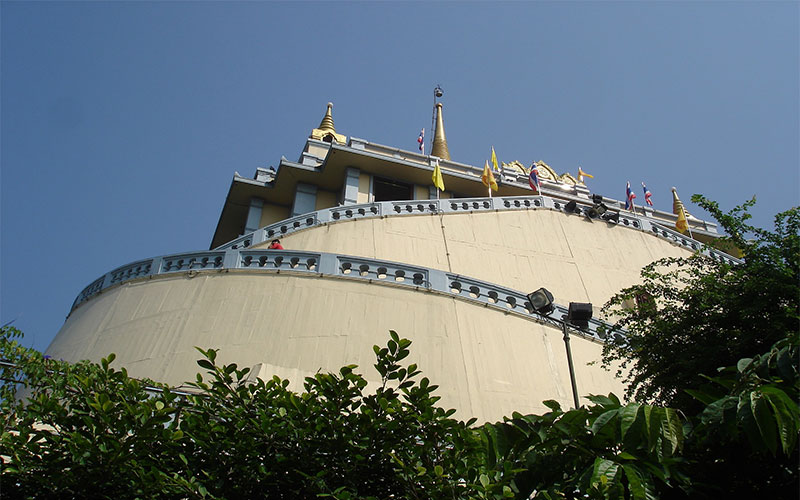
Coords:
579,314
542,301
597,210
571,207
611,217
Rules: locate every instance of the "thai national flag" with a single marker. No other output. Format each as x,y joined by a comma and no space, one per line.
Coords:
629,196
533,179
421,141
647,195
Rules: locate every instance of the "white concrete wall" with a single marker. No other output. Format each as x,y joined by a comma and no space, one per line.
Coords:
487,363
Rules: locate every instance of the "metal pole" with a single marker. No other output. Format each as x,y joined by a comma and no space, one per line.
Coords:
569,362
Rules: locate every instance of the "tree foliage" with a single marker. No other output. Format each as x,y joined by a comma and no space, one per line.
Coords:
89,431
719,342
692,315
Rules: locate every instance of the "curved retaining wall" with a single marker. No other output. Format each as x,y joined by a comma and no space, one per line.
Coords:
489,360
372,271
338,289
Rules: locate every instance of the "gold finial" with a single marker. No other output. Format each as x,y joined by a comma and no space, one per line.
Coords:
326,131
677,204
439,142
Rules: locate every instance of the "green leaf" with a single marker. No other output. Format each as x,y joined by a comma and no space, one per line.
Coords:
765,421
484,479
786,364
673,429
553,404
787,417
743,364
602,420
628,415
701,396
204,363
604,472
635,482
747,421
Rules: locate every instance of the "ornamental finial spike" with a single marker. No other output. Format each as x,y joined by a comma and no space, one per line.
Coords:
326,131
677,204
327,120
439,142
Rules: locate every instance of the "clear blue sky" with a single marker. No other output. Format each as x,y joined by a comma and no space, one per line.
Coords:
122,123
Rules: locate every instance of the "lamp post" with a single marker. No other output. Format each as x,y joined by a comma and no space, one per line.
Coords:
569,363
578,315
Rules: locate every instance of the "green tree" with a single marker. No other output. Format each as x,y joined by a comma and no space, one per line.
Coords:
89,431
695,314
719,342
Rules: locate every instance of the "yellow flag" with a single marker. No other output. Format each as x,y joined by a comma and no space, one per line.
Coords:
488,177
438,181
494,161
681,224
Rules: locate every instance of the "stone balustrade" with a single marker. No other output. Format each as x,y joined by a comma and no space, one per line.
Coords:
467,205
322,264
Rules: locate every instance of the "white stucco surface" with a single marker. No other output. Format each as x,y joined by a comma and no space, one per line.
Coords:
487,362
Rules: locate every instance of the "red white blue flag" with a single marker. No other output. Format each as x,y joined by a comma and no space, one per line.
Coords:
629,196
647,195
421,141
533,179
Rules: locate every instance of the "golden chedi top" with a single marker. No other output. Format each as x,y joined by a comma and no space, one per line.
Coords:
326,131
677,204
439,142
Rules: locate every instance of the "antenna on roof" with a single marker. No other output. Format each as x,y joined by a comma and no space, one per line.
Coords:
438,92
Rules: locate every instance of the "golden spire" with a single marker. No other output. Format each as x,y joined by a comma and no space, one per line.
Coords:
326,131
439,142
677,204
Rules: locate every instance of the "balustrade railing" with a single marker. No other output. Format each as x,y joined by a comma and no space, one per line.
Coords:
461,205
334,265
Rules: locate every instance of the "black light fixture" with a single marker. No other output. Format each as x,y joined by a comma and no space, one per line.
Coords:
579,314
571,207
598,209
542,301
611,217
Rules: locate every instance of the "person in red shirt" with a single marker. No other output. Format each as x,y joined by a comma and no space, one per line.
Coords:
275,245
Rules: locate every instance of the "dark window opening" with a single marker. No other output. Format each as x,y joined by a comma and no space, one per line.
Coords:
390,190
